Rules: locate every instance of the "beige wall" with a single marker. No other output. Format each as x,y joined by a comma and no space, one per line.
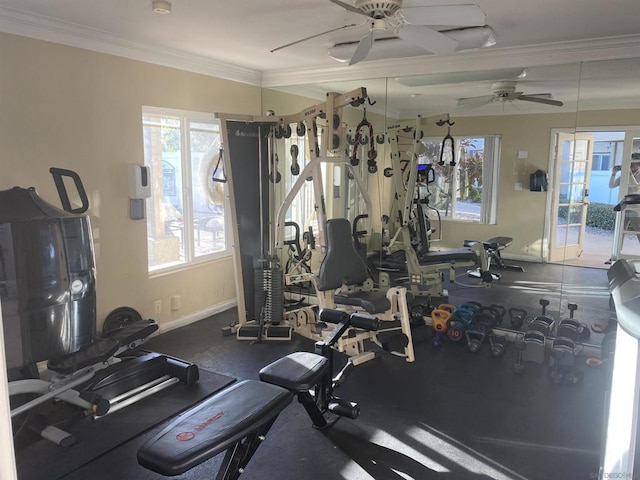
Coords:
521,214
67,107
71,108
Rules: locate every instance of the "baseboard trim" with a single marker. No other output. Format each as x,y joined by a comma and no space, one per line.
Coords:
196,316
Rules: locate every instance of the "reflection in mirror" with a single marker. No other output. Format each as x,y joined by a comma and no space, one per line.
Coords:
609,103
501,124
350,189
609,107
570,125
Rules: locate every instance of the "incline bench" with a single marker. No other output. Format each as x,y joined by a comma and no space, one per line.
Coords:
493,247
237,419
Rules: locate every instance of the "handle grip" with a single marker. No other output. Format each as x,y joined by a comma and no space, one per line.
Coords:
57,174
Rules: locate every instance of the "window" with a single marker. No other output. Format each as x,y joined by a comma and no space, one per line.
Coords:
186,214
601,161
466,191
603,154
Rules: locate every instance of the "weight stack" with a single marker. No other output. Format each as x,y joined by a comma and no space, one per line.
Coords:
269,281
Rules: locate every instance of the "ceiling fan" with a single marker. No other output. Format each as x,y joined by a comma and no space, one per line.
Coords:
409,24
505,91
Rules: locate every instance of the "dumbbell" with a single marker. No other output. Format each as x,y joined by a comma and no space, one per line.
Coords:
498,345
517,316
583,333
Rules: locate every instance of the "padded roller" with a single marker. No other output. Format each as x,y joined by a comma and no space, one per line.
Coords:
366,322
333,316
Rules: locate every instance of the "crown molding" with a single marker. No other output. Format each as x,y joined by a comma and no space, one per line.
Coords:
66,33
44,28
484,59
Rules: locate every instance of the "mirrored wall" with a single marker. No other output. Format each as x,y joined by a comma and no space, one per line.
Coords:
569,124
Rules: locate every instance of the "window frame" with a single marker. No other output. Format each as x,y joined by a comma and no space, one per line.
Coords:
489,195
188,174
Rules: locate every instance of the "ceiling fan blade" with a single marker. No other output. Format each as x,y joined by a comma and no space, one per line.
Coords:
346,6
430,40
312,36
473,102
540,98
363,49
459,15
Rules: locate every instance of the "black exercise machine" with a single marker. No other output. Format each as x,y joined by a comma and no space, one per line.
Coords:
49,310
237,419
493,247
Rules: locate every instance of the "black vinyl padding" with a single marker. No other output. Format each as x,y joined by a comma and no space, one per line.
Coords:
498,243
298,371
371,302
213,426
342,265
103,348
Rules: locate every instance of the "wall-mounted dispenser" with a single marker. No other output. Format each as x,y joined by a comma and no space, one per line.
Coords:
538,181
139,181
139,178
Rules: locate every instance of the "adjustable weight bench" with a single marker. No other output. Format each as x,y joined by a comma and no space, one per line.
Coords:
493,247
236,420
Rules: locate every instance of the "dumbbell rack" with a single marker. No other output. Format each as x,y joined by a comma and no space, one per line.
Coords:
562,340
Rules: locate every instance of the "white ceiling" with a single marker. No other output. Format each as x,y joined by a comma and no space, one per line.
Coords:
233,39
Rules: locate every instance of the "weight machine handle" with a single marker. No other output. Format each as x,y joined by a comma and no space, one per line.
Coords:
57,174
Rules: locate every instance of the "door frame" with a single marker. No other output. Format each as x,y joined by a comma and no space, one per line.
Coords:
557,253
628,129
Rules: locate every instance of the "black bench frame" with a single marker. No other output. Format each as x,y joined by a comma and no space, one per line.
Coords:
237,419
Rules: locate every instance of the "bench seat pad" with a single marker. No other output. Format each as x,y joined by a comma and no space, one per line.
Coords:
371,301
298,371
213,426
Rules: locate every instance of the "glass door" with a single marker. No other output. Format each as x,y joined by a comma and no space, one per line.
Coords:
573,155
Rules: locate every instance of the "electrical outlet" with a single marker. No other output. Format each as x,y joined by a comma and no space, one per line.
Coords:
176,302
158,307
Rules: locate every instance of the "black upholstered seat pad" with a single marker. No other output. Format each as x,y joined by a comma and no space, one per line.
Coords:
213,426
372,302
298,371
496,243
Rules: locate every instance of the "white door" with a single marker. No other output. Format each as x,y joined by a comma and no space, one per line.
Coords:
570,194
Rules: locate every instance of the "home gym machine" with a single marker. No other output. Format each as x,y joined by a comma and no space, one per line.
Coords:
409,252
238,419
49,309
325,147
